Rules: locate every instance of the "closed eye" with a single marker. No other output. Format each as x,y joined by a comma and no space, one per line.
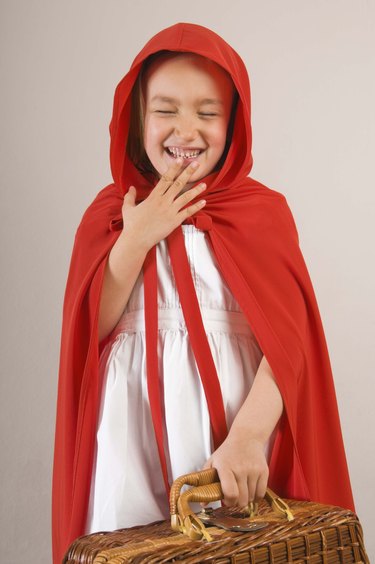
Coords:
169,112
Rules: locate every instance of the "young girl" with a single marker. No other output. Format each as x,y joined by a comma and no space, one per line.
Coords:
191,334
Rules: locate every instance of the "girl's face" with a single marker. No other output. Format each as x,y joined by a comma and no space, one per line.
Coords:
188,101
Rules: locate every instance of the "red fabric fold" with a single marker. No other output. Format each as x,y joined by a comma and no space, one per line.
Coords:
253,236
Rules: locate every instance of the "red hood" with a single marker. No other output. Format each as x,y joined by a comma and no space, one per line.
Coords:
200,40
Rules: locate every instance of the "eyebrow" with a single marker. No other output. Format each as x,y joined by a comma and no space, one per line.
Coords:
175,101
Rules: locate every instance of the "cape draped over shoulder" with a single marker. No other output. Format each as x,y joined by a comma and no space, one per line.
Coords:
255,240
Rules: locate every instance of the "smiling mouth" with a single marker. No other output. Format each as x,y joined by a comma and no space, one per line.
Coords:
186,155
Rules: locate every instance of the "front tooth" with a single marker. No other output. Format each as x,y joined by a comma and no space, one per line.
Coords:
188,154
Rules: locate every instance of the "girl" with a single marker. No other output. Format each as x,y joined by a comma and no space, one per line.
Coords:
191,334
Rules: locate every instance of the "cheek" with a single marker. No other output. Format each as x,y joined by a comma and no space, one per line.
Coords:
219,135
155,128
152,134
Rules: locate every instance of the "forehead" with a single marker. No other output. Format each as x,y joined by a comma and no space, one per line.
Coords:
173,76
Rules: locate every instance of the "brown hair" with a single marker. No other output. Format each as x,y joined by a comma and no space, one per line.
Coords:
135,146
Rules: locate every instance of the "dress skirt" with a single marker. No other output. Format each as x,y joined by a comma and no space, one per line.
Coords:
127,486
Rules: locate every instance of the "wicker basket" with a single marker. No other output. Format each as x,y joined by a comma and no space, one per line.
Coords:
278,532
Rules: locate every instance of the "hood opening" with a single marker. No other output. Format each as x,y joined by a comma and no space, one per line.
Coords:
134,144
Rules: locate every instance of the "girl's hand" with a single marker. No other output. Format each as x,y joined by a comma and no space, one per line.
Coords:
160,213
242,467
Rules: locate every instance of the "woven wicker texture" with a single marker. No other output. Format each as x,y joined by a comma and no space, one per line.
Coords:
318,534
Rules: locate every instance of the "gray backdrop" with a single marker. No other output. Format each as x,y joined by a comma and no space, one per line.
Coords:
311,67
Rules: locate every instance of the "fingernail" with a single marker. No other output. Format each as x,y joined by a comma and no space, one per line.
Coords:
194,164
179,160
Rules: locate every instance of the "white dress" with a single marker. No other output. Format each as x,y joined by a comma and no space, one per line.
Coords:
127,486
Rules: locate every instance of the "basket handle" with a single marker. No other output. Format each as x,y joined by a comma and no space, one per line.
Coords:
206,488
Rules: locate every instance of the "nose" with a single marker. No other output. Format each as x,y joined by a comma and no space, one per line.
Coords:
186,128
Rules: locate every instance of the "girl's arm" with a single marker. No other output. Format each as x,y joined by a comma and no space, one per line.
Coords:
240,460
122,269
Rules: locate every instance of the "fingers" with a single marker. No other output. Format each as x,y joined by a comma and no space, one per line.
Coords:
130,195
171,182
189,195
243,495
208,464
191,210
229,486
129,192
239,490
251,489
257,484
261,488
169,176
181,180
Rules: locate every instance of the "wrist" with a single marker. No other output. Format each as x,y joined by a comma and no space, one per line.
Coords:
241,432
132,241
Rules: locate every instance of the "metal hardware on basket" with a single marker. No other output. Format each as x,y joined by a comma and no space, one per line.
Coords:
208,517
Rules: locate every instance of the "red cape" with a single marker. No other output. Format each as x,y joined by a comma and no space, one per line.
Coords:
255,240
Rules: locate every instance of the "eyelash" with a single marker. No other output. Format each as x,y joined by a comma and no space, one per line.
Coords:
166,112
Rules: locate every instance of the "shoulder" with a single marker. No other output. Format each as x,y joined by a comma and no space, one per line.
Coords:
271,206
106,205
93,237
265,195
